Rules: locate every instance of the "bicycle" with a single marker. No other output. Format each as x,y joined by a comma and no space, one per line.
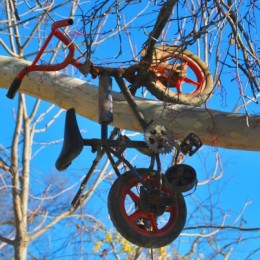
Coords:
151,195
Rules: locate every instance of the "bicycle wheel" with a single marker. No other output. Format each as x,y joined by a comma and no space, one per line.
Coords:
148,219
182,177
179,76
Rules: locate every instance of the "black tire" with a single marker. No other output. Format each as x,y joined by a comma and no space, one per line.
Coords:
165,54
125,192
182,177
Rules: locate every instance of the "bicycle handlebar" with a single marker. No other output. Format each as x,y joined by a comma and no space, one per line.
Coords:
14,88
54,67
61,23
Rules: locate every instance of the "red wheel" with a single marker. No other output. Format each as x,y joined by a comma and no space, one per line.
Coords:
179,76
151,218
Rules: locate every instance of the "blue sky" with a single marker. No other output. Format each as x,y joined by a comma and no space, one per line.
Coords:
238,185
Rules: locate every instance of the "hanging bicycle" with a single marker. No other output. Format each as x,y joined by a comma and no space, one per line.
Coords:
145,205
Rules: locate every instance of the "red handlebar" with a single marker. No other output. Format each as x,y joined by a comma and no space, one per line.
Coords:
50,67
62,23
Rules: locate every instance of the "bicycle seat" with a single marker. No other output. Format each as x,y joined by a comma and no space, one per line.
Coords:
72,144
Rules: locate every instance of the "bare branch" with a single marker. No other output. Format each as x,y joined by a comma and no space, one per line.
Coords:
222,227
162,19
7,240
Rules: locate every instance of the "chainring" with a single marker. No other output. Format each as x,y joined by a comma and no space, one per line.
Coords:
159,138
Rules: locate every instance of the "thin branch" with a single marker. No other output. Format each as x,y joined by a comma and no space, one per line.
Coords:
51,224
3,165
7,240
253,229
162,19
8,50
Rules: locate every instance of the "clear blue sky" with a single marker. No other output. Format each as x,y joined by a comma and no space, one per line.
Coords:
241,169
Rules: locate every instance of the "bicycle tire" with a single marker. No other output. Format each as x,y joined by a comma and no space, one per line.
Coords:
127,225
182,177
164,93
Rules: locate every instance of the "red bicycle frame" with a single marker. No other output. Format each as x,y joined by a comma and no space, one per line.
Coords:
166,74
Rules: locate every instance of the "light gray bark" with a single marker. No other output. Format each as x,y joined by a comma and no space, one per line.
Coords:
215,128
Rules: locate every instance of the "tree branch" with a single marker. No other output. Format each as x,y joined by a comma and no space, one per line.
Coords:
162,19
215,128
7,240
223,227
51,224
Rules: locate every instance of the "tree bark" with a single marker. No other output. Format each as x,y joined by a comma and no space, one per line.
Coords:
215,128
21,250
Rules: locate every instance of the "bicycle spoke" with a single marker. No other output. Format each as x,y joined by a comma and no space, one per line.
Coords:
178,86
133,196
184,66
153,221
193,82
134,216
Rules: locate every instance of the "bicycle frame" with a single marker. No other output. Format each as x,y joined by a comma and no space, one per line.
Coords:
73,142
153,200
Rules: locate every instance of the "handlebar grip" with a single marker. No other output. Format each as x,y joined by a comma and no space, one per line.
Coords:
13,88
62,23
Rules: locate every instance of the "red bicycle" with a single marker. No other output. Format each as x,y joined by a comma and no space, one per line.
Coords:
145,205
171,68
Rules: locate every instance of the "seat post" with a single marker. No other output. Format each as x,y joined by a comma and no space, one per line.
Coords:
104,127
105,105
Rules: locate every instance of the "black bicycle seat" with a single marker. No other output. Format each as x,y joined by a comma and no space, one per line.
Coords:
73,142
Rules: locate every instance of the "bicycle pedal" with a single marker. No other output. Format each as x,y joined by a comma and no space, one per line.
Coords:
191,144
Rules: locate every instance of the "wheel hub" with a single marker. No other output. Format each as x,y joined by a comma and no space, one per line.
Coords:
154,201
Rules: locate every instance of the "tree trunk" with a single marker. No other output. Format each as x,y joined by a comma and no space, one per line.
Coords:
215,128
21,250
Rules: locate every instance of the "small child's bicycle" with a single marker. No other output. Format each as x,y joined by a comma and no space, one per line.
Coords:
145,205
